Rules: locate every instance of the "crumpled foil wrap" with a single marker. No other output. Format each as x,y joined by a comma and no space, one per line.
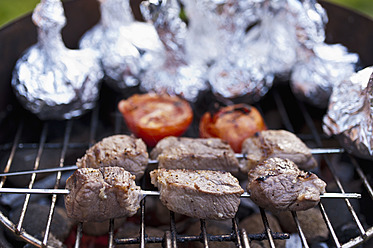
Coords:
231,79
216,35
320,66
51,80
246,44
126,47
176,74
325,67
350,114
242,46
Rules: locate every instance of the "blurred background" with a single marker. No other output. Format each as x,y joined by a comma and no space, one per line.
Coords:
13,9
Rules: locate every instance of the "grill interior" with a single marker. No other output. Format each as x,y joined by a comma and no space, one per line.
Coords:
59,143
64,139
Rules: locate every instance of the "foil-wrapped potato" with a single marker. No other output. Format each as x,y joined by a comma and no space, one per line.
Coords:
50,80
350,114
176,74
126,47
324,67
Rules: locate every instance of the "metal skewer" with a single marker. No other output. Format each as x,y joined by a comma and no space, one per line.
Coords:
314,151
151,193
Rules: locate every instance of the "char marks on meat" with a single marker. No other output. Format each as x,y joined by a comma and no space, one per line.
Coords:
195,154
123,151
276,143
101,194
278,185
199,194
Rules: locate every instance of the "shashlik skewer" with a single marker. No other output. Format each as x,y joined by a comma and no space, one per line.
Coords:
153,193
314,151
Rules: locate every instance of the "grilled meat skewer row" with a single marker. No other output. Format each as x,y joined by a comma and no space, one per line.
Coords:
153,193
153,161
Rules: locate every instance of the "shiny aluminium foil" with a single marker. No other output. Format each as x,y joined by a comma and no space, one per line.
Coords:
184,80
311,20
215,27
252,60
51,80
231,79
126,46
324,67
175,74
350,114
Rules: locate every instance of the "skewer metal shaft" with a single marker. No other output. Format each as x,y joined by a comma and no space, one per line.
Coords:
151,193
314,151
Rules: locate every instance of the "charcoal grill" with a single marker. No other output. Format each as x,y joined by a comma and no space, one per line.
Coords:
20,130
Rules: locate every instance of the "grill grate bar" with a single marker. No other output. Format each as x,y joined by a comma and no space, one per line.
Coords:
73,145
173,230
283,113
79,234
267,228
168,240
142,224
331,168
236,232
204,233
194,238
58,179
362,176
94,126
300,232
329,225
12,152
33,176
245,239
92,135
111,233
358,240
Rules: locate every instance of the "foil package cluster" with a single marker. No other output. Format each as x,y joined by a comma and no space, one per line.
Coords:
50,80
350,114
233,48
242,46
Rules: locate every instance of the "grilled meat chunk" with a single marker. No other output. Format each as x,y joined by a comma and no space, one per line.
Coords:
195,154
101,194
277,184
276,143
117,150
199,194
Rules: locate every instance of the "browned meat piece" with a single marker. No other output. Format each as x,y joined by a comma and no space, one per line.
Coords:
101,194
118,150
276,143
199,194
195,154
277,184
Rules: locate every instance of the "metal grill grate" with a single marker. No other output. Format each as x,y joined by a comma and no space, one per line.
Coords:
294,116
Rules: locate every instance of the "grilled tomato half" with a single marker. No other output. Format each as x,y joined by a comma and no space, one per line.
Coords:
152,117
232,124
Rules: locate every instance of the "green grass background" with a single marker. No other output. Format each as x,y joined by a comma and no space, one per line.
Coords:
12,9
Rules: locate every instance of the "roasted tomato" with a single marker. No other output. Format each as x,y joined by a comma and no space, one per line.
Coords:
233,124
153,117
